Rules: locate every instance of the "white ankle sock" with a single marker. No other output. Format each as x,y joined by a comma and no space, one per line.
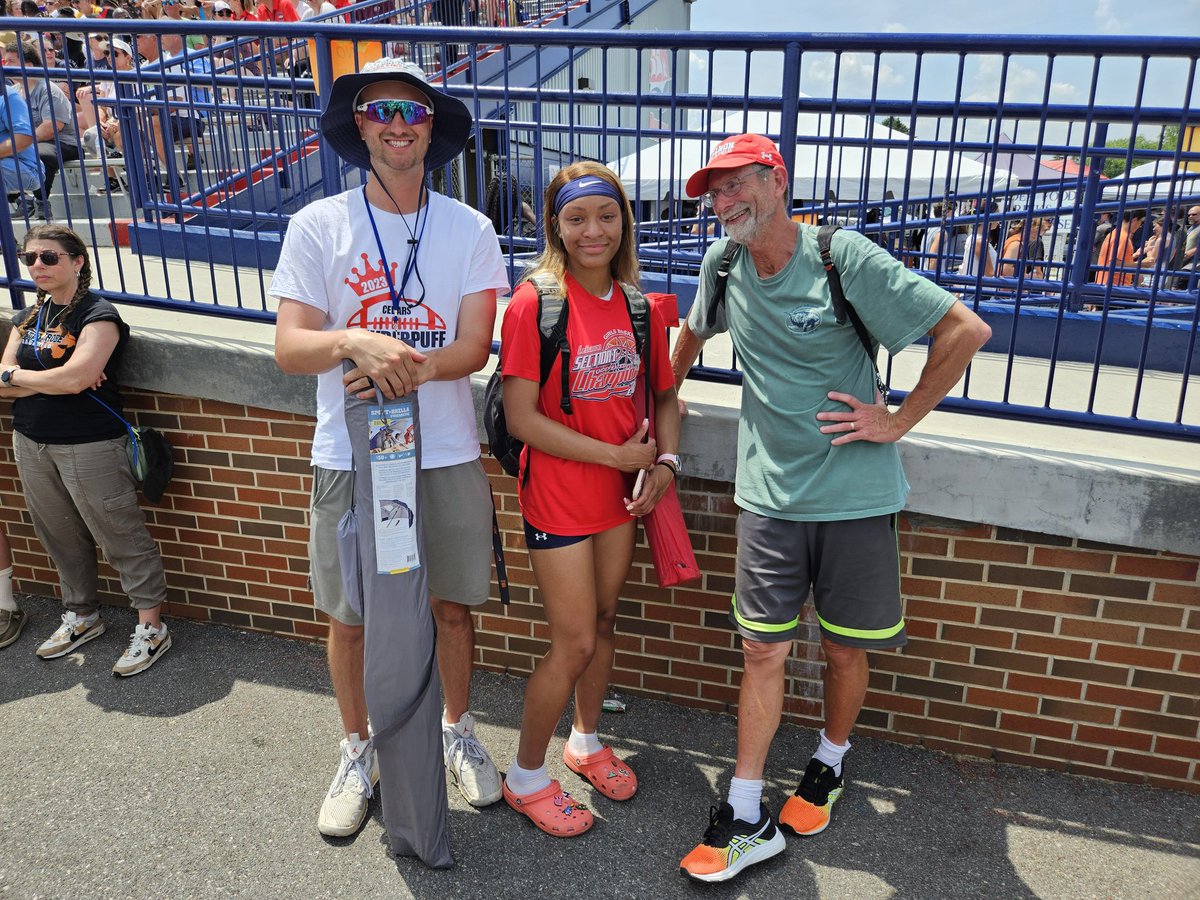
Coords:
745,796
581,744
6,597
525,781
831,754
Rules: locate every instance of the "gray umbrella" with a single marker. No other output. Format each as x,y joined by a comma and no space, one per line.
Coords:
401,676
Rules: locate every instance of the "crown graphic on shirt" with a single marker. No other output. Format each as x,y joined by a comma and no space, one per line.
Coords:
371,280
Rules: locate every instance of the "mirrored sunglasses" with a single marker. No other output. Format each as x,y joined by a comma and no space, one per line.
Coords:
383,111
48,257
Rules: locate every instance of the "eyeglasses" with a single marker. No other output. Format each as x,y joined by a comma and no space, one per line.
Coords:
383,111
48,257
729,189
225,13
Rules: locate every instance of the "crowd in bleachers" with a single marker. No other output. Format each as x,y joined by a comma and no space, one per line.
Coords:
61,98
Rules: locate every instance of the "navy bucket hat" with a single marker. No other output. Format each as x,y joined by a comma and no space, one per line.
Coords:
452,122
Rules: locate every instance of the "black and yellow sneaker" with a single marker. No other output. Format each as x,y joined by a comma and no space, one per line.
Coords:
731,845
807,813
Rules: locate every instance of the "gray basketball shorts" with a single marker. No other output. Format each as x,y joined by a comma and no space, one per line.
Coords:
852,567
456,519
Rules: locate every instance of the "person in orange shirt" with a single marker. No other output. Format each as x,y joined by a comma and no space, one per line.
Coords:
1117,251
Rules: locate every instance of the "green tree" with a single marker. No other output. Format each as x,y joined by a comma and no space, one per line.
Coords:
895,124
1167,140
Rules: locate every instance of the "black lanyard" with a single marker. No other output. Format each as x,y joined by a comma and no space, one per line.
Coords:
414,244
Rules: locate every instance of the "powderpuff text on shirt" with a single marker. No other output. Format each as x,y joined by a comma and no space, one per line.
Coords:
608,369
406,320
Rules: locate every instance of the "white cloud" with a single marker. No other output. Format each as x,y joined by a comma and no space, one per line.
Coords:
900,27
1064,92
856,71
1106,17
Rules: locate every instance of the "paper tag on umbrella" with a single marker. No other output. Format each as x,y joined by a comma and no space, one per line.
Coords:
393,440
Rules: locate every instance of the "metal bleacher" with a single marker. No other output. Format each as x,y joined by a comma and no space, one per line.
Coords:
577,82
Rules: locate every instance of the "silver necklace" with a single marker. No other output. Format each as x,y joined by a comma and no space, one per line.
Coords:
57,318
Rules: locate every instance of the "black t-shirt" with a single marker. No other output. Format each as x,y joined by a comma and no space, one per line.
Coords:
68,418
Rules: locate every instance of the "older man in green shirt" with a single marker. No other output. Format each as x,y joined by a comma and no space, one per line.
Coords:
819,478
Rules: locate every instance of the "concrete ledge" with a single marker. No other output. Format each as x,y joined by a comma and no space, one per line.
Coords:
1130,503
215,368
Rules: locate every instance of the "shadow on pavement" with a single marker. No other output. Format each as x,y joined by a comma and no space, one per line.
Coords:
205,774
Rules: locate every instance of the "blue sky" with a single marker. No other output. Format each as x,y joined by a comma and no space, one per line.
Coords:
984,78
952,16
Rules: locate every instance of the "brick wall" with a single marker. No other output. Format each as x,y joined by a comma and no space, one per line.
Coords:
1025,648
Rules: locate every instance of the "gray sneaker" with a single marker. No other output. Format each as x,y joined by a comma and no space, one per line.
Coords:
11,623
469,765
72,633
345,806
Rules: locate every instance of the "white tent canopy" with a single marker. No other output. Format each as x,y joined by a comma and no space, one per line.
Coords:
1158,181
847,172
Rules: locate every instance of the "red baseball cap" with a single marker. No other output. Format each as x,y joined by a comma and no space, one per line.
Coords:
735,152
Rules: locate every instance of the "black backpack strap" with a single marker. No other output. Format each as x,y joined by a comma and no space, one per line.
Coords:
639,317
552,326
842,308
498,555
718,297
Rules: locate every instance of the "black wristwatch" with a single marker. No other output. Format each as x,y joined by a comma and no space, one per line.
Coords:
7,374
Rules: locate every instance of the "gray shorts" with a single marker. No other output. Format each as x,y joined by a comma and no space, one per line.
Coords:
456,520
852,566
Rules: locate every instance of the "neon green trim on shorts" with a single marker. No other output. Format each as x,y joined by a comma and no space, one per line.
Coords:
867,634
760,626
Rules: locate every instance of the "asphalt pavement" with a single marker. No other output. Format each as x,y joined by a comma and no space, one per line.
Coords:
201,778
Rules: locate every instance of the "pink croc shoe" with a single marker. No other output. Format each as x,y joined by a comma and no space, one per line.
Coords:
552,810
609,775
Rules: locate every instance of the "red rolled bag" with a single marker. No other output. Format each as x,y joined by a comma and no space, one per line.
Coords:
667,534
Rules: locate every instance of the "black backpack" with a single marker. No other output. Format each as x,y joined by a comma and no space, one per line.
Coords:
841,305
553,311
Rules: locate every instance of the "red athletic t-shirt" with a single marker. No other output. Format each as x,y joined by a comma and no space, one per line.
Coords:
564,496
284,11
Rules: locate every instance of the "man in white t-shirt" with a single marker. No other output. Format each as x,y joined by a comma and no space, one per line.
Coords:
402,281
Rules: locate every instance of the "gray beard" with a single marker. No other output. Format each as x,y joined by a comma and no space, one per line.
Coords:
744,232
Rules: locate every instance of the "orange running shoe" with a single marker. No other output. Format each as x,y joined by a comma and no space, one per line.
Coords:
807,813
731,845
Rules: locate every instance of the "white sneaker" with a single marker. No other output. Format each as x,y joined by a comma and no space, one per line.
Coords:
73,632
147,644
345,806
469,765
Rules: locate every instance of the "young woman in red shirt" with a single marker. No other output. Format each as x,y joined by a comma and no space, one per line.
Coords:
583,492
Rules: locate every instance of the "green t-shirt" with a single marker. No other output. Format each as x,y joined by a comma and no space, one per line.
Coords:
792,353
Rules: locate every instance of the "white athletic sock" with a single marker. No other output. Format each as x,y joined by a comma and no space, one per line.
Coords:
831,754
6,597
745,796
581,744
525,781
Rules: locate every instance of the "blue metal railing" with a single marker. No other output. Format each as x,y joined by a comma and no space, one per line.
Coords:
900,136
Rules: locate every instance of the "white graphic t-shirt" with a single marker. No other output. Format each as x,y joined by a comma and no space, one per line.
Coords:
330,260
